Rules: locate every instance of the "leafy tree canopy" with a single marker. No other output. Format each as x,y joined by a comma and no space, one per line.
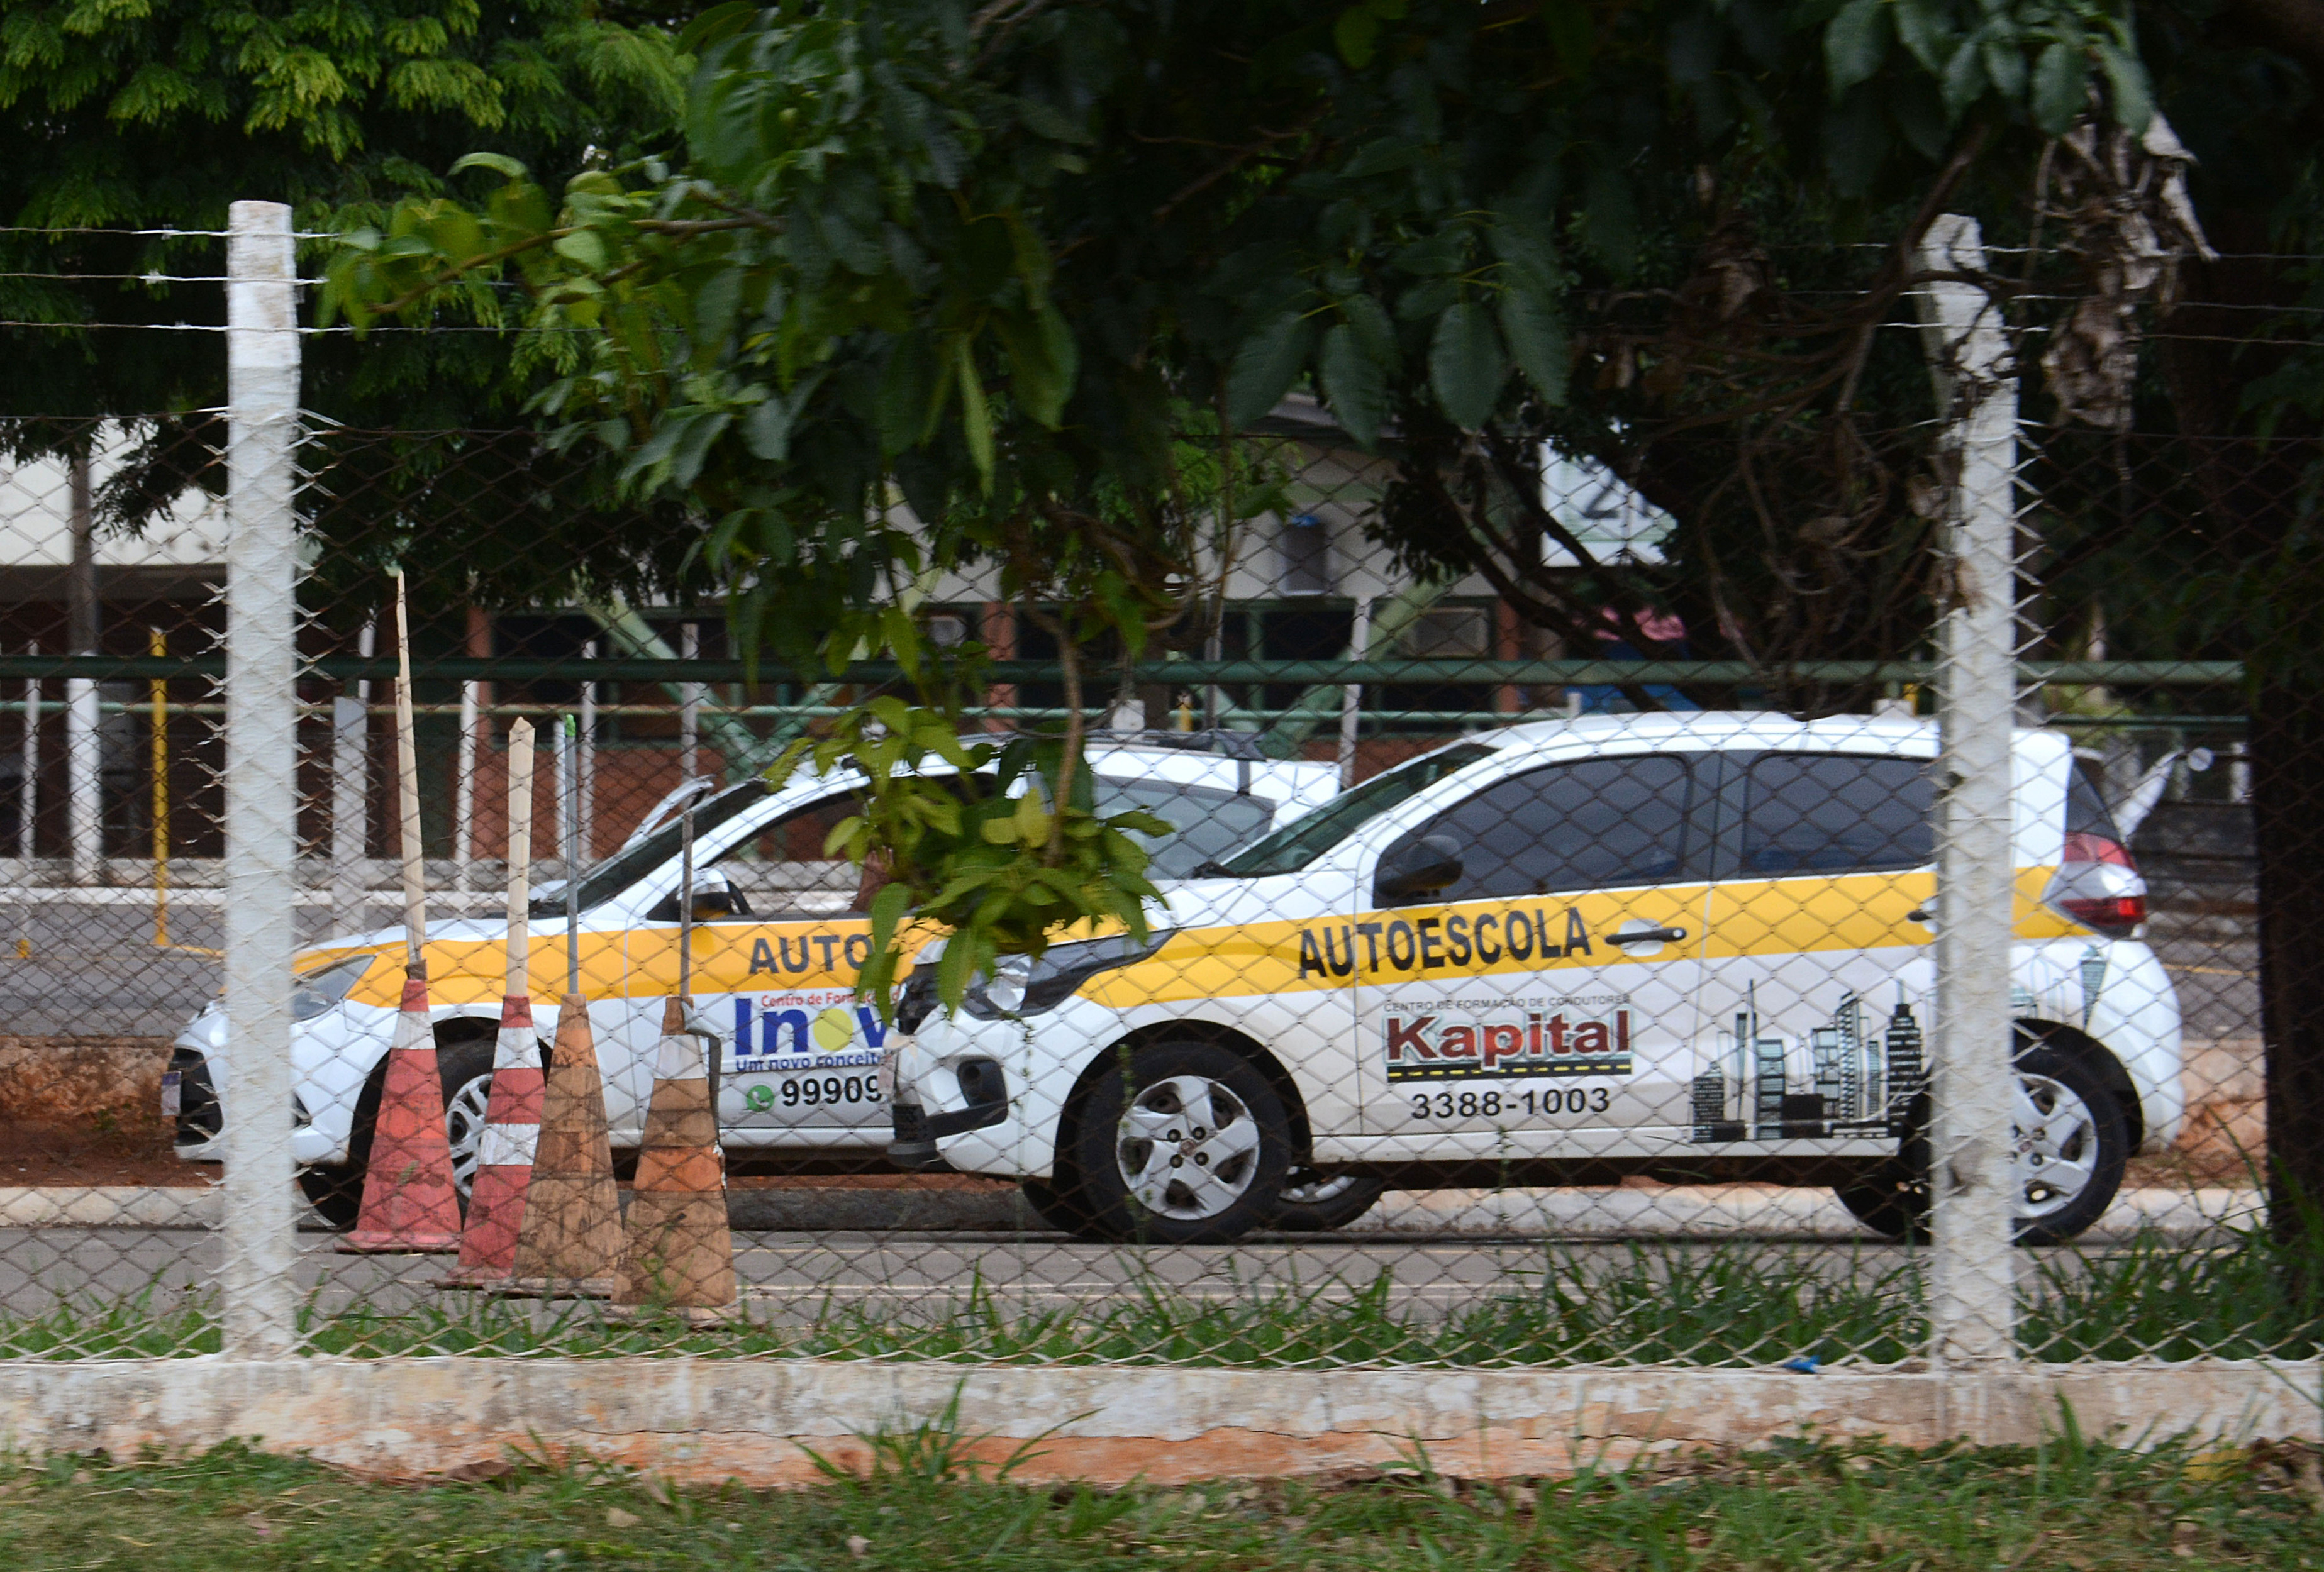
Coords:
158,116
1007,266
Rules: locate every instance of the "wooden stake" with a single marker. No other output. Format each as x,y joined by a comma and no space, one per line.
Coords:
566,766
415,873
520,858
686,900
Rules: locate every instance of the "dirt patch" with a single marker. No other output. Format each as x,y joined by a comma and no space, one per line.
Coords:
100,1150
87,1110
70,1079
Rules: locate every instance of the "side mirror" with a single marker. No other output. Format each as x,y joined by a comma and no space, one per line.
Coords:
713,896
1421,867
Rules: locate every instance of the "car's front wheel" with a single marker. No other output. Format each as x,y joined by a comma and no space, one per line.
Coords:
2069,1146
465,1069
1186,1144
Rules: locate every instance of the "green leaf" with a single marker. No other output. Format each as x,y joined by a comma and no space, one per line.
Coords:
1373,330
1466,366
975,415
1924,27
500,163
1354,385
1964,80
583,247
2127,85
912,388
1854,43
1378,157
1265,366
1032,820
955,969
1043,361
1537,340
1356,34
2061,87
2004,67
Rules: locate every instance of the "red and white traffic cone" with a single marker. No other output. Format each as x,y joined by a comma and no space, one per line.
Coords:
503,1152
409,1205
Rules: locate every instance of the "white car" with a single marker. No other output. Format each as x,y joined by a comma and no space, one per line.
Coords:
1691,946
797,1053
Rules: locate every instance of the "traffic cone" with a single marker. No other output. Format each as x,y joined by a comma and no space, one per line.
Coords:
409,1206
679,1253
569,1243
504,1153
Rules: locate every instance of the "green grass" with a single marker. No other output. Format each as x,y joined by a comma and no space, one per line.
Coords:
922,1505
1731,1304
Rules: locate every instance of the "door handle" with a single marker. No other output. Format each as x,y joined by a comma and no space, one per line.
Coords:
1646,936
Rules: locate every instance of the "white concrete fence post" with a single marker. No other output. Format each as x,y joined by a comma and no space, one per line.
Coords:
262,799
1972,1289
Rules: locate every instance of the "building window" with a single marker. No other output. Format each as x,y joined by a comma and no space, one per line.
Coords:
1306,547
1449,633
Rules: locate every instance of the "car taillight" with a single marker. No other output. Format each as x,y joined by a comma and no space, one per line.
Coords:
2113,915
2081,846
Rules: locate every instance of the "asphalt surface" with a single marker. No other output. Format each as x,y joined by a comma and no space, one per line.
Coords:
1445,1251
794,1277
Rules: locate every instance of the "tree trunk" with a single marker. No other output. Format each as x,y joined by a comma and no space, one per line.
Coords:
2287,753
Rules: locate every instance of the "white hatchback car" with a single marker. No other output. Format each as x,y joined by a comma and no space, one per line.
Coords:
1689,946
796,1053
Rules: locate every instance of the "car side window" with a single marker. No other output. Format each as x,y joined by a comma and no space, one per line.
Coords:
1837,812
1599,824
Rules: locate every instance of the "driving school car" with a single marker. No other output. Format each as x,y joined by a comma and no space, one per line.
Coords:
1692,946
795,1054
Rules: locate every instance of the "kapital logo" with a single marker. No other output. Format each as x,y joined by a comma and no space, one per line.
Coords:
1524,1037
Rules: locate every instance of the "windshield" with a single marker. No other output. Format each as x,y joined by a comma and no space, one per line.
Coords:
1206,821
625,868
1303,840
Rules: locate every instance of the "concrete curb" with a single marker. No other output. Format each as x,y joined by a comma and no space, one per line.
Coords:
708,1420
109,1206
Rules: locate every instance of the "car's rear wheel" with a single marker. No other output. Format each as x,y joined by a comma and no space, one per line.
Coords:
1315,1201
2069,1143
465,1069
1185,1144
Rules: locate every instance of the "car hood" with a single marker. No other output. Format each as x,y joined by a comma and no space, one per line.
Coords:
465,929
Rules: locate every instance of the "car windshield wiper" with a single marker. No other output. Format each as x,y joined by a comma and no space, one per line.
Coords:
1214,870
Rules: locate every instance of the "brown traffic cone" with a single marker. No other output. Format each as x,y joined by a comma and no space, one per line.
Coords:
409,1203
679,1253
569,1244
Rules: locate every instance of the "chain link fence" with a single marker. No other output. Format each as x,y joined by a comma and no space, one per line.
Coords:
1514,1001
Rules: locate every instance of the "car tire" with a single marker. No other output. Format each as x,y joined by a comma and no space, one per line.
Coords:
2079,1136
465,1069
1146,1176
1314,1202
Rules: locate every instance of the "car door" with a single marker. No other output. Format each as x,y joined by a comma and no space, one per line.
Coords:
775,978
1817,963
1548,991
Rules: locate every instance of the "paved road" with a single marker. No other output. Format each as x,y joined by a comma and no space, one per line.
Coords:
1444,1255
797,1276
